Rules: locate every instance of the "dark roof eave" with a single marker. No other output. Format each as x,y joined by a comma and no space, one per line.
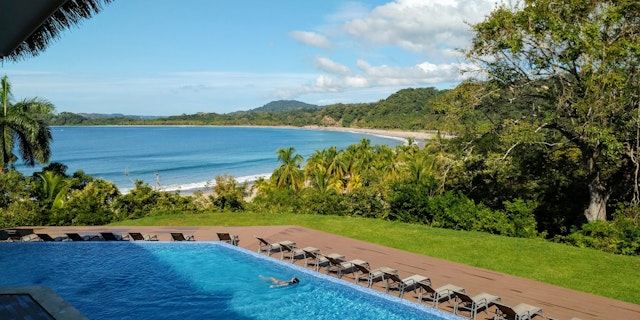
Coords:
29,26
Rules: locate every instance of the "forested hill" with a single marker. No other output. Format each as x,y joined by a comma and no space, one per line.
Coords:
285,105
407,109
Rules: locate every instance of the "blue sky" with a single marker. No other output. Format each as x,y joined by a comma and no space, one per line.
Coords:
167,57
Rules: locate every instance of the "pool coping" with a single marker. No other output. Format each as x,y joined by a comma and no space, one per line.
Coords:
56,306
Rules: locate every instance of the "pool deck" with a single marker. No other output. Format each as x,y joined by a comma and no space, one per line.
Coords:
557,302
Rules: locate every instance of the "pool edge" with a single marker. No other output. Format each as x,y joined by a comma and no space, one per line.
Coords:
56,306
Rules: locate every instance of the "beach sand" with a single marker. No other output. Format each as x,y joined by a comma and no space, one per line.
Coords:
400,134
416,135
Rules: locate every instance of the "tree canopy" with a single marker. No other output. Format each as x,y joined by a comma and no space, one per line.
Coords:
570,68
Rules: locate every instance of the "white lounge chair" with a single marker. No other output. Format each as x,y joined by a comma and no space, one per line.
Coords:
179,236
479,302
411,283
440,294
137,236
372,276
230,239
520,311
341,267
269,248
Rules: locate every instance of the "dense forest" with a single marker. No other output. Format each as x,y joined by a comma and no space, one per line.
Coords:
545,144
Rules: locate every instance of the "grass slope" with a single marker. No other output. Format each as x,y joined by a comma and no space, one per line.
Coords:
586,270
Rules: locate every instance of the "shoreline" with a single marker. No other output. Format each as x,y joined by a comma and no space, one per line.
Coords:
416,135
401,134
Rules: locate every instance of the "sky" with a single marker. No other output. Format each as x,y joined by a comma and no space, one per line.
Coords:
167,57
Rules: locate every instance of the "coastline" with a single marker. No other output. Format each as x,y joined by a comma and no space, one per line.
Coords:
397,134
393,137
416,135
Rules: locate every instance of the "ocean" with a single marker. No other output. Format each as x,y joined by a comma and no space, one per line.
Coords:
186,158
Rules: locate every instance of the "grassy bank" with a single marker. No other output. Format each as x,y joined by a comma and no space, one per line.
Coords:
585,270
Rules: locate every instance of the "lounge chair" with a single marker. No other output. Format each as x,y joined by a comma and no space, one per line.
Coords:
317,260
440,294
137,236
292,253
411,283
110,236
21,234
230,239
47,238
479,302
341,267
372,276
269,248
179,236
520,311
77,237
5,236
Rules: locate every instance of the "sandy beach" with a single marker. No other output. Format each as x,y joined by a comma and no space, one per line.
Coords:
417,135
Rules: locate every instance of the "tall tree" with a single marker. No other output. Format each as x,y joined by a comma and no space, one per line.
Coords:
570,69
21,125
288,174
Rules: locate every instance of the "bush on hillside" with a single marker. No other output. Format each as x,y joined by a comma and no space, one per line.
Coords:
620,235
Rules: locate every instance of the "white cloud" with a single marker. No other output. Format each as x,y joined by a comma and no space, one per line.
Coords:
420,26
330,66
411,43
311,39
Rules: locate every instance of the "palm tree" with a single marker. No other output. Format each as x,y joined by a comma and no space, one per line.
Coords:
54,188
288,174
21,125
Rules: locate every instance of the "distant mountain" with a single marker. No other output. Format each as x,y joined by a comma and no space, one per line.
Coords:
115,115
285,105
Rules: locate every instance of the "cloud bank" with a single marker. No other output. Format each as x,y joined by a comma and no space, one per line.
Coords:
426,34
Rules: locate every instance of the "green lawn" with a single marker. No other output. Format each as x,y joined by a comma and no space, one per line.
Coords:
587,270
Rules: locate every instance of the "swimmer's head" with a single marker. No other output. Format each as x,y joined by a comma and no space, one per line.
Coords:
294,280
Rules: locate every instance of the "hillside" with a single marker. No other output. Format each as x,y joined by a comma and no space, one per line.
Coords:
284,105
407,109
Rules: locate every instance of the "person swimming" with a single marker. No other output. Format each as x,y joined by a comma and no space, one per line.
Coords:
280,283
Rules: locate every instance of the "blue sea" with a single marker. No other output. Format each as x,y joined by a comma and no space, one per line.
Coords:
186,158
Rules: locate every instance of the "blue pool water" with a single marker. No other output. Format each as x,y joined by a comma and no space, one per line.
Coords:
201,280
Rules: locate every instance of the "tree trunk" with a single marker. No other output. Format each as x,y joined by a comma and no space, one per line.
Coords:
598,196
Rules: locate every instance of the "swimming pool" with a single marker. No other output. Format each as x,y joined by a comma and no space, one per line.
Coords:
195,280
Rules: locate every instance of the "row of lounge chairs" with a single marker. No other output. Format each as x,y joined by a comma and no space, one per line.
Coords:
30,236
22,234
463,303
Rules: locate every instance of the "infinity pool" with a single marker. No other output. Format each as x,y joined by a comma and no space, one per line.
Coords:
194,280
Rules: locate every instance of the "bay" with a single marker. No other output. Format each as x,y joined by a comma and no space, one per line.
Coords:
186,158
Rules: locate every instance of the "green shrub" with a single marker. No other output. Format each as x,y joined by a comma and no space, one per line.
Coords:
409,203
227,195
521,214
620,235
143,201
325,203
92,205
366,203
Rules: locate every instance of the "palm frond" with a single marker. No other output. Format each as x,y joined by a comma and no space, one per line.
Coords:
69,13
